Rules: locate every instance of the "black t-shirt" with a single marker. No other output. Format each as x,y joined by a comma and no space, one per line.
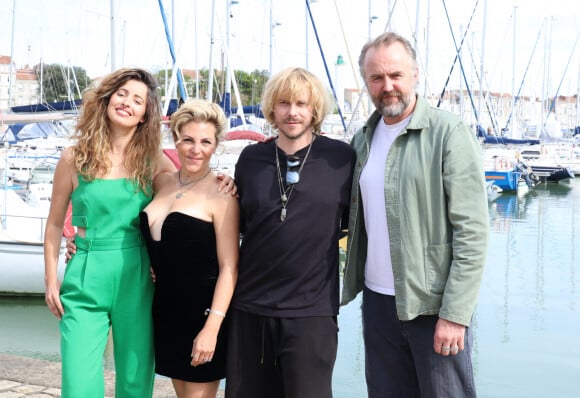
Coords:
290,268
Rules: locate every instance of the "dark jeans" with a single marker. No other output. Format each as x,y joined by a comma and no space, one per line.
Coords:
400,360
280,357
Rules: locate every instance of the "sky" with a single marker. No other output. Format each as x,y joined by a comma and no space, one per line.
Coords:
78,33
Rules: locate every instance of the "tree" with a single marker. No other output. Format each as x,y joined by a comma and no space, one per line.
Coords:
250,84
60,82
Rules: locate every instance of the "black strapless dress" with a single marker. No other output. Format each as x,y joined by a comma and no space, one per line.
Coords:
186,268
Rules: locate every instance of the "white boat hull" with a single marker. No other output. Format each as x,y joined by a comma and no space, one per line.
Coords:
21,246
22,268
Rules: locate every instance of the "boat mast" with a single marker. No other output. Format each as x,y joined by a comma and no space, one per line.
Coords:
113,37
306,20
6,145
11,76
196,44
577,125
5,182
41,99
272,26
482,69
427,35
176,69
513,74
228,90
326,67
209,95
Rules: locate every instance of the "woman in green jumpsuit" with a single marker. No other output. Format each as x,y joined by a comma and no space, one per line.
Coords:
107,174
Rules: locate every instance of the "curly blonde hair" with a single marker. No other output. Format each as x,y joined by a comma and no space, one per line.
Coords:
289,83
198,110
92,133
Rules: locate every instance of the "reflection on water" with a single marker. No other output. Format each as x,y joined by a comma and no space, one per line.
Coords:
527,320
526,326
29,329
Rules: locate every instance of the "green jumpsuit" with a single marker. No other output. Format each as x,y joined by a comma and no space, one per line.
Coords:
107,284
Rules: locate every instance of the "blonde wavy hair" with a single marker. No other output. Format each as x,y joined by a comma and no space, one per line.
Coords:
92,133
198,110
288,84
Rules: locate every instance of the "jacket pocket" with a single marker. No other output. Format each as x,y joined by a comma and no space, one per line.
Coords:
437,264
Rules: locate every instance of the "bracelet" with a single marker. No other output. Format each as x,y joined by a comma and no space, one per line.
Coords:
209,310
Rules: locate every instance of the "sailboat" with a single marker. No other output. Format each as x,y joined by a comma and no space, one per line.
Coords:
21,246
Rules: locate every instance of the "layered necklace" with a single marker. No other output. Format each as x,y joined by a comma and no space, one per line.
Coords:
286,191
182,192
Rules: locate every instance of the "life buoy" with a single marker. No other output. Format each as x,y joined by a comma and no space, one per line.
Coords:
173,156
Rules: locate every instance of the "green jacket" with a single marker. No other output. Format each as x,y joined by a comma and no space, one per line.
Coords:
437,215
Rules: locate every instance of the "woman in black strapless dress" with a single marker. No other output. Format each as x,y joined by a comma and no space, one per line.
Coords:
192,234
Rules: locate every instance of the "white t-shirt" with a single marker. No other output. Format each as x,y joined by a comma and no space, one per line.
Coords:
378,267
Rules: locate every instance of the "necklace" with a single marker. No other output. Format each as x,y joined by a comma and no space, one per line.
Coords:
190,183
286,192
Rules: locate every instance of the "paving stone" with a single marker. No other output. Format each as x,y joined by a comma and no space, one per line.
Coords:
7,384
11,394
42,395
28,388
34,378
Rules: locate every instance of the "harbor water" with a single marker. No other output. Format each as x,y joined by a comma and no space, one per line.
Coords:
526,327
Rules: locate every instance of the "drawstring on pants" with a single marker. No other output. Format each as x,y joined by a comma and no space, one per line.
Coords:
273,330
263,337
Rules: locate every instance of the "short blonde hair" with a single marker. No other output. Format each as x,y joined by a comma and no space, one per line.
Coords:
289,83
198,110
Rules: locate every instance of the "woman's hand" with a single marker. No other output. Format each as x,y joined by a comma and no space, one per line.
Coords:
52,299
203,347
71,249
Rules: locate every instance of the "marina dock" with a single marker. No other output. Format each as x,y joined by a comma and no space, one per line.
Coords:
35,378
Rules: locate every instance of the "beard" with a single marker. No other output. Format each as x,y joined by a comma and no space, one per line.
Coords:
396,109
294,135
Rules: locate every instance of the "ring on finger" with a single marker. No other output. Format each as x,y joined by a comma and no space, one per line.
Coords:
454,348
445,349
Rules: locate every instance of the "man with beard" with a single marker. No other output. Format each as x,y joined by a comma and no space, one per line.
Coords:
418,233
294,195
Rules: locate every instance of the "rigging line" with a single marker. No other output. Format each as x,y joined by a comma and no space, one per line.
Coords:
74,76
553,104
325,65
348,54
490,110
486,94
172,51
228,60
415,34
490,77
391,12
457,57
517,98
499,53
